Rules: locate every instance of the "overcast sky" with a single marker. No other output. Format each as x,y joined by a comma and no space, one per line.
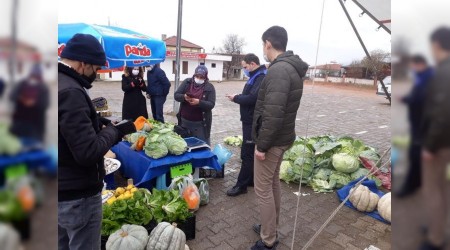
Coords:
207,22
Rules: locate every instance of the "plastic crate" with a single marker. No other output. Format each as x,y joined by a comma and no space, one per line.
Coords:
211,172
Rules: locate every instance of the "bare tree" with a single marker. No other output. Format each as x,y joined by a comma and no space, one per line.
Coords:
232,45
377,63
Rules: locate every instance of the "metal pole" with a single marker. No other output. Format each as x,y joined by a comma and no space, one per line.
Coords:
178,54
13,57
363,45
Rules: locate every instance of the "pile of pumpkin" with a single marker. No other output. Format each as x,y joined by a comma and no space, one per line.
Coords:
365,200
165,236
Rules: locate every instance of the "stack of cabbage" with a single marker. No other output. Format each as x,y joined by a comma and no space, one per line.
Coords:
162,141
327,162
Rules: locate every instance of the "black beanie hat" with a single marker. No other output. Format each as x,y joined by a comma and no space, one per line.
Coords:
84,48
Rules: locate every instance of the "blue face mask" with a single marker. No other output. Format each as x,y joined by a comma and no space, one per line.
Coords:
246,73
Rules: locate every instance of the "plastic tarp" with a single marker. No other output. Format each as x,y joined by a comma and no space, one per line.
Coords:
344,191
123,47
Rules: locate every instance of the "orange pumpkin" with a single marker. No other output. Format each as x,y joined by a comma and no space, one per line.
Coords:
139,123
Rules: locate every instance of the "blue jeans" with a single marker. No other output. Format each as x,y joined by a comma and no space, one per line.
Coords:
79,223
157,104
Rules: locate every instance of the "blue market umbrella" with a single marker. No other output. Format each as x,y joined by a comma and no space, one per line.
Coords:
122,47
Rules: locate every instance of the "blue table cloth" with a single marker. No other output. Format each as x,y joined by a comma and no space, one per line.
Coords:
33,159
141,168
344,191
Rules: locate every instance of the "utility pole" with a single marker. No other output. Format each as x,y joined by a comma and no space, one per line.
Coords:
178,54
13,56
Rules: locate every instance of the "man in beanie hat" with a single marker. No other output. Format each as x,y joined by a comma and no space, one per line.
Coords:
83,140
197,97
31,99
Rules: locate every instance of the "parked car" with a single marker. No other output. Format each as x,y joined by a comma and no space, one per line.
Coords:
387,84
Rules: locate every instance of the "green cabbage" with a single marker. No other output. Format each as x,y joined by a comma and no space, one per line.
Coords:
371,155
359,173
299,150
175,144
338,179
322,173
345,163
235,141
286,172
156,150
304,164
321,186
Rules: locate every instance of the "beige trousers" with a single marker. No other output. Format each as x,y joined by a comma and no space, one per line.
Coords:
435,195
268,190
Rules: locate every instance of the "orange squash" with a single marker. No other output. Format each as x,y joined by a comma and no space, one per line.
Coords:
26,198
140,143
139,123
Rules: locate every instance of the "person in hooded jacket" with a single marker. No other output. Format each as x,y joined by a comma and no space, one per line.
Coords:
247,101
157,90
134,103
274,128
197,97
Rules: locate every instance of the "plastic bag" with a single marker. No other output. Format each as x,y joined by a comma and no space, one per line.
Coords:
222,153
203,189
188,190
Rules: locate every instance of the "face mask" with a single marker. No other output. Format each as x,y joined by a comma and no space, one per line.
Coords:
91,77
266,58
246,73
135,72
198,81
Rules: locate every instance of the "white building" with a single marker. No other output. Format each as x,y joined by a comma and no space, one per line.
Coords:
192,55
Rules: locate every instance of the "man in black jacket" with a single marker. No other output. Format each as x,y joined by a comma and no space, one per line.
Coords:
247,102
82,143
158,87
436,142
274,128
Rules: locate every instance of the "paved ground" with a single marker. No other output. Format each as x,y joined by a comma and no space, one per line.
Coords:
226,222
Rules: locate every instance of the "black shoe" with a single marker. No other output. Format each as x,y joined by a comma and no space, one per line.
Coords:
259,245
428,246
235,191
257,229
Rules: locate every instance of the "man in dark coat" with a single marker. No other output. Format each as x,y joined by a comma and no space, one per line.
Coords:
274,128
415,101
31,100
158,87
247,102
436,143
82,144
2,87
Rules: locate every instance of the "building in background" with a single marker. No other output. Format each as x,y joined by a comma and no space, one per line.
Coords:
192,55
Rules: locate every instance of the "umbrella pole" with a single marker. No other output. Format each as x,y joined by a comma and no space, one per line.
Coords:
178,54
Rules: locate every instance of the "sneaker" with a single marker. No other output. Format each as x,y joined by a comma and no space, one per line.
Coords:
235,191
259,245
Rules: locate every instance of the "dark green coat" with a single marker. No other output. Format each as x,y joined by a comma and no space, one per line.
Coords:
278,101
436,118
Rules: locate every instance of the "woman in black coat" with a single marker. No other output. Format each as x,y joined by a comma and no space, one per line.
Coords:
134,103
197,97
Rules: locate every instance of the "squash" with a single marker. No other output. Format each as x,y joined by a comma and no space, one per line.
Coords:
129,237
166,236
384,207
140,122
140,143
363,199
9,237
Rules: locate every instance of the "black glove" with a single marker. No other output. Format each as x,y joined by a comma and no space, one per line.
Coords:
125,127
104,121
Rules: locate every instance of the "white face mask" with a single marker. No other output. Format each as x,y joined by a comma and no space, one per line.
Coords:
199,81
135,72
266,58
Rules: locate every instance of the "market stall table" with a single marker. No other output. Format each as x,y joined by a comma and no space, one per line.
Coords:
141,168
